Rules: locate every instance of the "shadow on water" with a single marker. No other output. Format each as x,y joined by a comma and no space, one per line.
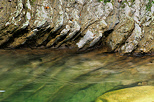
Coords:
56,76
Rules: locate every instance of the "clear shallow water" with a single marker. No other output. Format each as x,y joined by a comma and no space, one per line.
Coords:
61,76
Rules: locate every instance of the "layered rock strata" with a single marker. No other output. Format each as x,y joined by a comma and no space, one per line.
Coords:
125,26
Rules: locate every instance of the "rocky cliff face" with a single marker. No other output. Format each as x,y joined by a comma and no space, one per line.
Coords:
125,26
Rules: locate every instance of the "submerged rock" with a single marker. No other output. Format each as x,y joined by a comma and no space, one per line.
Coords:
134,94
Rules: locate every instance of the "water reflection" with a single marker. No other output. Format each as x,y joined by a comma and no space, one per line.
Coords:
56,76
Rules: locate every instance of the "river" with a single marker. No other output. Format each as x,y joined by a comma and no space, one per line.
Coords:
65,76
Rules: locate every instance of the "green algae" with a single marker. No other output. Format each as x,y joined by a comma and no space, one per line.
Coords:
32,2
105,1
149,5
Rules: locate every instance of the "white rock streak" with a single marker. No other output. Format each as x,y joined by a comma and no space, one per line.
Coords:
17,12
88,37
28,15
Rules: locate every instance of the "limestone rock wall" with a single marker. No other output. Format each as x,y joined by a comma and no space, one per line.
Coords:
125,26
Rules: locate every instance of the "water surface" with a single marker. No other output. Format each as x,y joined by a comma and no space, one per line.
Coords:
63,76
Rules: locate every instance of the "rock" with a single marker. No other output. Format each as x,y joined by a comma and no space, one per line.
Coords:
132,42
134,94
146,44
118,25
121,32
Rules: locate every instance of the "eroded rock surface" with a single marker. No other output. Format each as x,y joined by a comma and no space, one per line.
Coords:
125,26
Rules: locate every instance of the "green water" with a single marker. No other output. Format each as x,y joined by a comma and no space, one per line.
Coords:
56,76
